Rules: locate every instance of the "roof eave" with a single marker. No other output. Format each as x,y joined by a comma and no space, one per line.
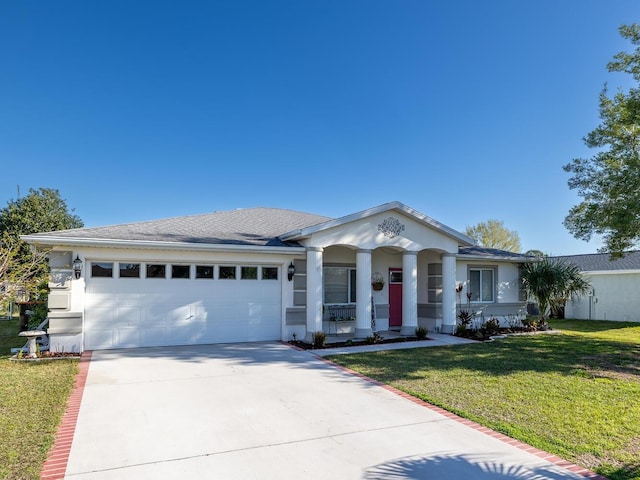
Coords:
156,245
621,271
497,258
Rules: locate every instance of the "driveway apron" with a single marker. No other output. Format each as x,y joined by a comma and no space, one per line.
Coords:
267,411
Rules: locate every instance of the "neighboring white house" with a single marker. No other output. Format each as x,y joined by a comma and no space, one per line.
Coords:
616,287
266,274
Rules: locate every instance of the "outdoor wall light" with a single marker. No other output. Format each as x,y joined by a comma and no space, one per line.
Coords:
77,266
291,271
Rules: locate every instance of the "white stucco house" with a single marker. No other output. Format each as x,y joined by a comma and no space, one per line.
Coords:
266,274
615,287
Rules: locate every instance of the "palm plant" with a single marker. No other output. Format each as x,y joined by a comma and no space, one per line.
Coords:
551,282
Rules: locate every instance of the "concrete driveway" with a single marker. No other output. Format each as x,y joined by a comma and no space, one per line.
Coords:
267,411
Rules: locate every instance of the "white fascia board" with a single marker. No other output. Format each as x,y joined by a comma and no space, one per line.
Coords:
495,258
610,272
109,243
305,232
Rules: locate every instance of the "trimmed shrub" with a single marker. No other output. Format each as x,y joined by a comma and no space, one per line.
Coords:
319,338
421,333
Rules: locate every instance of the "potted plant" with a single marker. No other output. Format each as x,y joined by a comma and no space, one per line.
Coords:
377,282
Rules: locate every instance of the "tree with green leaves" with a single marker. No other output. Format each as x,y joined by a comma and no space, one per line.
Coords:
493,234
551,282
20,274
609,181
42,210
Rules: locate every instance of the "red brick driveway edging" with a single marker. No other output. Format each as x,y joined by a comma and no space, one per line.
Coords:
55,466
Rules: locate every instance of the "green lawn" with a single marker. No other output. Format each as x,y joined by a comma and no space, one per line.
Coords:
575,394
9,336
32,400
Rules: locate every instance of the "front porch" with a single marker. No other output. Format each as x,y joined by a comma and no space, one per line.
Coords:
340,320
334,292
392,269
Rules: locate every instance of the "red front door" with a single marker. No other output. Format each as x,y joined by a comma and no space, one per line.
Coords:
395,297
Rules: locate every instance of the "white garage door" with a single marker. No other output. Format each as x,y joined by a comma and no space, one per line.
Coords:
144,312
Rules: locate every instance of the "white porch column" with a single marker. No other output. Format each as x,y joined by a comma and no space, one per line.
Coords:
314,292
409,293
448,293
363,294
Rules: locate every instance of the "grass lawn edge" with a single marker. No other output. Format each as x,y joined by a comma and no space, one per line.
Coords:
55,465
400,381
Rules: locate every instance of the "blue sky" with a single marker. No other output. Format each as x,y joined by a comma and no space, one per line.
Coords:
463,110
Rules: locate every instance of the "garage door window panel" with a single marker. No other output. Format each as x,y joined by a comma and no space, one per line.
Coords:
269,273
204,271
227,272
155,270
249,273
102,269
180,271
129,270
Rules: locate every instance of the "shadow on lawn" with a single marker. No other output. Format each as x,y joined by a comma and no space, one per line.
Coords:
586,326
462,467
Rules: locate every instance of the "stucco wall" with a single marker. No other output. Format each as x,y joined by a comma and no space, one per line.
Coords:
616,297
506,281
363,233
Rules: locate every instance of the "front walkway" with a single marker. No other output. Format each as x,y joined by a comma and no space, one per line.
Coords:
434,340
267,411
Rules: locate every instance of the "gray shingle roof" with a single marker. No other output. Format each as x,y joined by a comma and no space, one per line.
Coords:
252,226
479,251
594,262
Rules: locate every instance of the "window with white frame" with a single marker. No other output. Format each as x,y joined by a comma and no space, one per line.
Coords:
482,284
522,291
434,282
204,271
129,270
269,273
102,269
339,285
180,271
227,272
156,270
249,273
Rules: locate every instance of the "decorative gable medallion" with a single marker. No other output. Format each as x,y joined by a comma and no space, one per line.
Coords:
391,227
